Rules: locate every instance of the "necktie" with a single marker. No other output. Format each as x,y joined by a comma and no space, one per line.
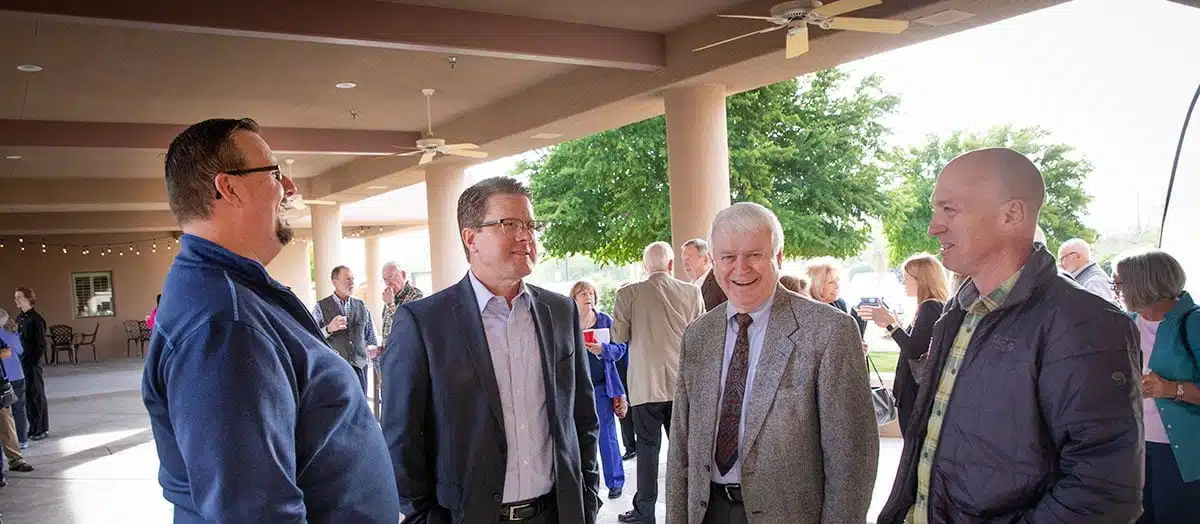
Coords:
731,398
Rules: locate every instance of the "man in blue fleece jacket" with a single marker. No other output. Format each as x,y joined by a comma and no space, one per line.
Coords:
254,417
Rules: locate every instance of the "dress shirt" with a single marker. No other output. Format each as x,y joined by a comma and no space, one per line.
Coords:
756,331
517,361
700,281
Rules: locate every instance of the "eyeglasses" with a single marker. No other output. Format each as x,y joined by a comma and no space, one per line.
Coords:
1116,285
272,170
515,225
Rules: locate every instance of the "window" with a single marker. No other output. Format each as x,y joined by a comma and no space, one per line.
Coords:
93,294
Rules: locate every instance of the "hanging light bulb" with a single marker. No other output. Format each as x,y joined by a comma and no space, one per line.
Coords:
110,250
21,240
138,253
64,250
120,253
101,253
131,247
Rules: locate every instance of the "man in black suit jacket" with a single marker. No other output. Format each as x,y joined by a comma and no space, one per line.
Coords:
488,407
697,263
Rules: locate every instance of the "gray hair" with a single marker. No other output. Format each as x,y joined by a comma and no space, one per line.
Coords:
1149,276
4,318
1076,245
657,256
748,217
389,267
700,244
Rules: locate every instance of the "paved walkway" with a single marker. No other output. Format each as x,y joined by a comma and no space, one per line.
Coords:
99,465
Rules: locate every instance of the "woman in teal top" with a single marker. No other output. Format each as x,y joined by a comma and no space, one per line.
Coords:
1151,283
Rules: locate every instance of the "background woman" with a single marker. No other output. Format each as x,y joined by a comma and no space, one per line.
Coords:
610,392
925,279
1151,284
825,285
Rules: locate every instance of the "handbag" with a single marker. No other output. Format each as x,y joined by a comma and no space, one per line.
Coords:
881,397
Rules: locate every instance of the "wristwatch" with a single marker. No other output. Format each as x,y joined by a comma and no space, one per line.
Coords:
1179,392
890,328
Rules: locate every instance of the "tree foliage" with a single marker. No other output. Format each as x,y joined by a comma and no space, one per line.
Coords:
906,223
808,149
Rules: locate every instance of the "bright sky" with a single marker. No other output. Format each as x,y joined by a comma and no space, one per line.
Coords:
1110,77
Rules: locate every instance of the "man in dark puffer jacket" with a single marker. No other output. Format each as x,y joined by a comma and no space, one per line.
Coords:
1030,407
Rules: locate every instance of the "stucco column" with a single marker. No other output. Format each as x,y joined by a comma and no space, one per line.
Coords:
697,161
374,283
291,269
443,185
327,244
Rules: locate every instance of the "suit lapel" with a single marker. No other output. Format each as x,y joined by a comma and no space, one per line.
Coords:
777,347
708,386
470,327
543,321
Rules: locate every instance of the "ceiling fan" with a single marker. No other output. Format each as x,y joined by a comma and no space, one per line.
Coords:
430,146
797,15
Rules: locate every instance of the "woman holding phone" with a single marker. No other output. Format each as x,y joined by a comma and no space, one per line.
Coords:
925,279
610,392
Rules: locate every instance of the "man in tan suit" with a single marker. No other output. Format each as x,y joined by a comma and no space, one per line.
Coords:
651,316
773,416
697,263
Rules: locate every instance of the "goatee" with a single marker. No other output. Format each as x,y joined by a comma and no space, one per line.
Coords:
284,234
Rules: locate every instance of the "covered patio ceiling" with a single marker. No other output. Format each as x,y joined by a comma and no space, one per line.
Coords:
81,140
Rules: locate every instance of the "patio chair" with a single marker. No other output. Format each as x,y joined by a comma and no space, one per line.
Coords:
85,339
62,338
133,334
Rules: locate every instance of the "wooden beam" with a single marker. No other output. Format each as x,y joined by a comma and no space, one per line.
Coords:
374,23
41,133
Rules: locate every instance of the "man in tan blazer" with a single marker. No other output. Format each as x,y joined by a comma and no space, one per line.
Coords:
651,316
773,416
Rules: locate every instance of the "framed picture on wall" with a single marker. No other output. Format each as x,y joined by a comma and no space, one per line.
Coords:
93,294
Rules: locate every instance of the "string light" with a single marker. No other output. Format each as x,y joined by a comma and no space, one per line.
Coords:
134,247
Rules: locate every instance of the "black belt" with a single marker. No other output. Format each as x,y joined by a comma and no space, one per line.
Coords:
731,492
524,509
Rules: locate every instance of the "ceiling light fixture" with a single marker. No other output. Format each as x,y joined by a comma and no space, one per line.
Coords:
346,85
546,136
13,157
377,187
29,68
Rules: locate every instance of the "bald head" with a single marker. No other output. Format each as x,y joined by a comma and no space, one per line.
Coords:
1002,175
985,211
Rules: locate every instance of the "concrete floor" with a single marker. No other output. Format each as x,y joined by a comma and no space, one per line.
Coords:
99,465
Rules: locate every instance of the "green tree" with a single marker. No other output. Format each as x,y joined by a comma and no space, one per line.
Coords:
915,169
806,148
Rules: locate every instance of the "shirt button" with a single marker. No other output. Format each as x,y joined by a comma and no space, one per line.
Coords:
497,498
925,455
522,427
1168,426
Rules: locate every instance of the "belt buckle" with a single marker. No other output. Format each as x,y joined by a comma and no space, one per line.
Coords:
729,491
512,510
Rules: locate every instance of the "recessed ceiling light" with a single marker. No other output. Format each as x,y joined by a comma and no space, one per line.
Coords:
546,136
377,187
947,17
346,85
29,68
13,157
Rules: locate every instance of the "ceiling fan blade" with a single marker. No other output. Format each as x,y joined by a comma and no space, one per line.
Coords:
797,41
459,146
870,25
468,154
844,6
381,157
406,147
749,17
426,158
728,40
410,153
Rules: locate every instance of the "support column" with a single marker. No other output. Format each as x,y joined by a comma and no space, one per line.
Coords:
697,161
374,284
291,269
443,185
327,244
